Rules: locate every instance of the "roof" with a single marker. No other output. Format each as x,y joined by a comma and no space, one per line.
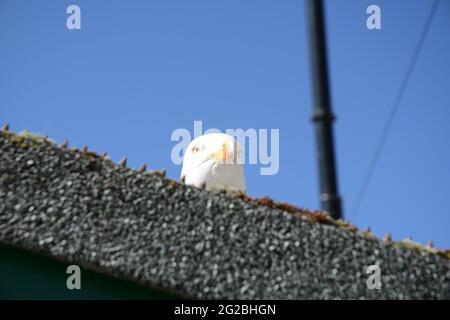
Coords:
76,206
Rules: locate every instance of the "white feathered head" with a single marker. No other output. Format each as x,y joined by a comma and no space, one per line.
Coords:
214,161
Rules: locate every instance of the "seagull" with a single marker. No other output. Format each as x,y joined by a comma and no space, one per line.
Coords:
214,161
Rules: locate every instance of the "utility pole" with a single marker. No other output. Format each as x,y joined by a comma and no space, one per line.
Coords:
322,116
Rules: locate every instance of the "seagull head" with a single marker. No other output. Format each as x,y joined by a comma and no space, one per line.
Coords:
209,157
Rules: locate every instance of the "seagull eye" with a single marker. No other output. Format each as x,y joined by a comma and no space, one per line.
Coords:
195,149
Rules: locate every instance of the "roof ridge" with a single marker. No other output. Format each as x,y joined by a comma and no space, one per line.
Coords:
26,139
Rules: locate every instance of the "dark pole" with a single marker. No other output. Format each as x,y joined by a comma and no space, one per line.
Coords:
323,117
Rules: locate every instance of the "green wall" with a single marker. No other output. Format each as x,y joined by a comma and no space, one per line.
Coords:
25,275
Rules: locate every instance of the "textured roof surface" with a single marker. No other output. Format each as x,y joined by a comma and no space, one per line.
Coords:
75,206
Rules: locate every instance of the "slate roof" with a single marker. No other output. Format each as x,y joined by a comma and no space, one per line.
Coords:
82,208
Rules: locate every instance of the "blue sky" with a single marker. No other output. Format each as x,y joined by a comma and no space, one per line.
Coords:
137,70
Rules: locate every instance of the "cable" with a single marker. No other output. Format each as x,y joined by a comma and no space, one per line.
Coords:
393,112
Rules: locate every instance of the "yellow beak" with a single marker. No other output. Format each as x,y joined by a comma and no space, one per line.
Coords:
221,155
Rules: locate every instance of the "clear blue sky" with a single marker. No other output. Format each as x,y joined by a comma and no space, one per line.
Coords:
137,70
